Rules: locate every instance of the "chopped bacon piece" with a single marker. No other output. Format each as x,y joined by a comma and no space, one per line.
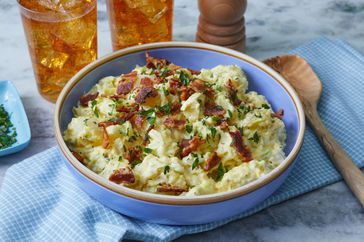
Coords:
233,93
280,113
133,154
124,109
193,72
173,86
124,87
191,146
123,175
126,83
144,93
105,138
224,125
131,75
78,157
173,67
212,109
145,139
125,117
175,107
139,120
161,76
210,93
240,147
185,143
116,96
146,82
159,80
168,188
106,124
88,97
198,85
212,161
155,62
185,93
157,73
174,123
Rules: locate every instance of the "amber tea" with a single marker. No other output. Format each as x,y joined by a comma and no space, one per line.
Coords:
62,38
134,22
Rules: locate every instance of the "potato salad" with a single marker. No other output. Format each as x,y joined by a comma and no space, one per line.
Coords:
166,129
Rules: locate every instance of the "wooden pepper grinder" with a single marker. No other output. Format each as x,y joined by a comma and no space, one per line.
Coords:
221,22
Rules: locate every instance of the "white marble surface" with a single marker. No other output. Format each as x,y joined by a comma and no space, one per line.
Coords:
273,27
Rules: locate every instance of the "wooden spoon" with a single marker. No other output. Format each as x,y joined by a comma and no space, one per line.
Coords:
309,88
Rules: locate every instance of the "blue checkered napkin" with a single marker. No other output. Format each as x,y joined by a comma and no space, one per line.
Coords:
40,201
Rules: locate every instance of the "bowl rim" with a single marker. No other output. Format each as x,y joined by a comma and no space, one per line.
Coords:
169,199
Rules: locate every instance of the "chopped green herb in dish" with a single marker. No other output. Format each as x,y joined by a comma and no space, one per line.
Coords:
7,130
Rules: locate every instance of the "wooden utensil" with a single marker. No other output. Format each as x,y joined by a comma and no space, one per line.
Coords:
309,88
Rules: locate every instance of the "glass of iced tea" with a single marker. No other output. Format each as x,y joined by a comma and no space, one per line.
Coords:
62,38
134,22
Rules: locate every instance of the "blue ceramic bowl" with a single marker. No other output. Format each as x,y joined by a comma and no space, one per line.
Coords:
173,210
10,98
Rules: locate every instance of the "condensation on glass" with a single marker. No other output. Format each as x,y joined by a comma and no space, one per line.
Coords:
134,22
62,39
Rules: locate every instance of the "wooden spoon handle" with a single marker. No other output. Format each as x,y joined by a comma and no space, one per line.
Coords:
352,175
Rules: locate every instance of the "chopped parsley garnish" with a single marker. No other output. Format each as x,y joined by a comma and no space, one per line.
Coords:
146,112
188,128
218,88
135,162
241,130
230,113
113,119
120,158
195,163
164,72
259,115
266,106
166,169
7,130
183,77
94,108
132,138
165,91
216,119
220,172
147,150
255,137
234,96
166,109
144,71
213,131
150,114
244,109
113,107
151,119
85,121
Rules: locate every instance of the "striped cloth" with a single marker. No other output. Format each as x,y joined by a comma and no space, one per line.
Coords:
40,201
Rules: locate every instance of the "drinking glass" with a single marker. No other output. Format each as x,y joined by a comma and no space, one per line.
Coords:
134,22
62,38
